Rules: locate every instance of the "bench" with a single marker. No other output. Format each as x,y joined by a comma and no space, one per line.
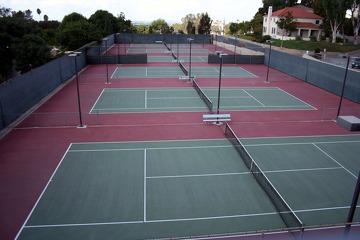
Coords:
216,118
350,123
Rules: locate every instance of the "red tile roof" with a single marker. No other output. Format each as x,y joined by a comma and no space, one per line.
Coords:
297,12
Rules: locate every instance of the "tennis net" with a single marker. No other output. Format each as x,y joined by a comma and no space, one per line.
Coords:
185,71
202,95
286,213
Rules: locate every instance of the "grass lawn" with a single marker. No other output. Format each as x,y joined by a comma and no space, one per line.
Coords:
309,45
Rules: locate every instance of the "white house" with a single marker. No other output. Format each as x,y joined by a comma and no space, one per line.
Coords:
308,24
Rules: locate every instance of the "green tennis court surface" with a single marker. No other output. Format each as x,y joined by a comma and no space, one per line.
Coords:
186,99
182,58
137,190
168,72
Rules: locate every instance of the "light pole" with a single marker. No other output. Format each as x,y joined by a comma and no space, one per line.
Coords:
235,48
190,40
106,61
177,56
268,68
75,55
118,47
219,91
343,86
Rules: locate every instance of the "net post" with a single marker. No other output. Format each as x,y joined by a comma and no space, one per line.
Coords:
352,207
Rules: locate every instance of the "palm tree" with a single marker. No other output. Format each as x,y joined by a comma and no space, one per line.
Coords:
39,12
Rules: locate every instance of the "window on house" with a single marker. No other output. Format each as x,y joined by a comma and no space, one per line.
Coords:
273,30
264,30
317,21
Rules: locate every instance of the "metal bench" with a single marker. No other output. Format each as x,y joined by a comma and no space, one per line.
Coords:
216,118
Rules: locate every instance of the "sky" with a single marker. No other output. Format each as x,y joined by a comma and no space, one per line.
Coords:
141,10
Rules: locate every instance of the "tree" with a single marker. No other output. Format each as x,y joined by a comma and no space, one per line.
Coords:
234,28
355,19
72,17
78,33
5,12
105,21
142,29
190,28
39,12
188,22
205,24
31,51
257,25
335,12
5,56
307,3
27,14
124,25
287,23
160,26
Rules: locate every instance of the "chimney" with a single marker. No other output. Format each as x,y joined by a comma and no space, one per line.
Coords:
268,31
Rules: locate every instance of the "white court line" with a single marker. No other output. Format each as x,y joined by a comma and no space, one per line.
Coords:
334,160
297,98
145,185
145,99
82,224
97,101
301,170
253,98
296,143
199,175
185,219
153,148
112,75
323,209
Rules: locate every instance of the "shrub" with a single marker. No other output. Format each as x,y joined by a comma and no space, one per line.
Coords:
265,38
313,39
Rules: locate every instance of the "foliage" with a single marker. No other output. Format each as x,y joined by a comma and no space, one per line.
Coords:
72,17
307,3
257,25
160,26
355,19
240,28
190,28
335,13
188,22
31,51
105,22
204,24
142,29
125,26
78,33
6,56
287,23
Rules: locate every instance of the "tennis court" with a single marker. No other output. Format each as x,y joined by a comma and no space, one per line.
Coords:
124,100
170,72
137,190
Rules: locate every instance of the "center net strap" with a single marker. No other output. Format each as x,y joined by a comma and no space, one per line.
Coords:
203,96
287,214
